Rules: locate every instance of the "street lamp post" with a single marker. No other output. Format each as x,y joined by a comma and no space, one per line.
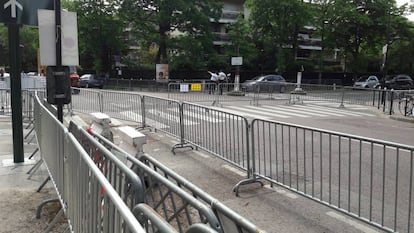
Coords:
321,57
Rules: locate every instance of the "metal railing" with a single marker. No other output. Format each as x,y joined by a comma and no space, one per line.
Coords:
230,220
219,132
127,184
177,207
78,181
366,178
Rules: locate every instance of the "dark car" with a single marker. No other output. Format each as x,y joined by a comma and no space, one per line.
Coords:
400,81
265,83
91,80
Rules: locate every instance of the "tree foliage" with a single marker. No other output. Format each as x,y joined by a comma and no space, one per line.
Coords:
100,32
173,24
275,24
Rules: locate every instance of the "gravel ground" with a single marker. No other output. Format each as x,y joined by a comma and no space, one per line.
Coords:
18,211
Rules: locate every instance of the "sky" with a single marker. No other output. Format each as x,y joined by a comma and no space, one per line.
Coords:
401,2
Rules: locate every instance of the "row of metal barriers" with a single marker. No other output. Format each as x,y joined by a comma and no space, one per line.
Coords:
366,178
104,189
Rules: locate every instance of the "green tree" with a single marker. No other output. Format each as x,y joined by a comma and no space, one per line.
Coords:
243,43
360,28
4,49
275,25
100,33
171,25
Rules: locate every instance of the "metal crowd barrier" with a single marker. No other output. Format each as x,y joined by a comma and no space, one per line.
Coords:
196,92
364,178
79,182
87,101
5,101
179,208
151,220
369,179
162,114
230,220
218,132
127,184
128,105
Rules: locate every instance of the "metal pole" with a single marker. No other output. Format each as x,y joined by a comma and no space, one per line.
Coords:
16,98
58,28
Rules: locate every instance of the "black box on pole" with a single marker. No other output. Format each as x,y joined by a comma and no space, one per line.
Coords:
58,85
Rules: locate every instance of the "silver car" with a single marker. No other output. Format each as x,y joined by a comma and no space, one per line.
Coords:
367,82
265,83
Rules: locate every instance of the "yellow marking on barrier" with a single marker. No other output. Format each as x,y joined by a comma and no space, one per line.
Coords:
195,87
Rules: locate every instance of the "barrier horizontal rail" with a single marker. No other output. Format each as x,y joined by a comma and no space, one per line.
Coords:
78,182
231,221
176,206
151,220
369,179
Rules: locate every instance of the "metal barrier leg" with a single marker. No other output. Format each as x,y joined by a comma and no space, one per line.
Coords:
43,184
40,207
30,123
31,139
180,146
27,135
67,229
34,168
54,221
244,182
34,152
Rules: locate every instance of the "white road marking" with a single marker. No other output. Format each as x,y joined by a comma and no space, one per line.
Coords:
296,110
136,117
234,170
276,111
341,111
351,222
243,111
171,117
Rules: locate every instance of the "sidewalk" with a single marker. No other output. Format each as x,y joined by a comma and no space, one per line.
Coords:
19,198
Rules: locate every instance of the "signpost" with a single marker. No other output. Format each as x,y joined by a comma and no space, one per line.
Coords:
15,13
237,61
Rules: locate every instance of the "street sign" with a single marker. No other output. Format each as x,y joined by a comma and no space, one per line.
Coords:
22,11
47,38
237,61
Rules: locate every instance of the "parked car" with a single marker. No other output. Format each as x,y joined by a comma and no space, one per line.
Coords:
365,81
91,80
265,83
398,82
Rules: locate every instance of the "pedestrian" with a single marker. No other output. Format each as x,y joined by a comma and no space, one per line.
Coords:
213,82
221,80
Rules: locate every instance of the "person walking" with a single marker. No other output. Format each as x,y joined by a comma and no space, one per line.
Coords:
213,81
222,77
